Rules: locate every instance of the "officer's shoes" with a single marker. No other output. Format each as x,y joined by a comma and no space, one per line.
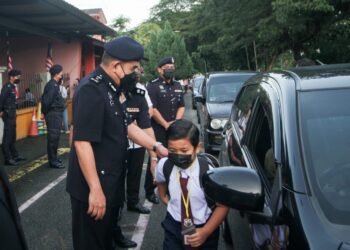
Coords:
124,242
57,165
11,162
138,208
153,198
19,158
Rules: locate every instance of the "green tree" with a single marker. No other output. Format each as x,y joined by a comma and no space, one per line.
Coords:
167,43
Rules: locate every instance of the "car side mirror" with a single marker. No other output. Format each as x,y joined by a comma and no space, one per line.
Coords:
236,187
200,99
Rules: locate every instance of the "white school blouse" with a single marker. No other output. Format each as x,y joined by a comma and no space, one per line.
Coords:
199,207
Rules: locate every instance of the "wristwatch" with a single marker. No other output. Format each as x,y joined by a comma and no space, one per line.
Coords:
155,146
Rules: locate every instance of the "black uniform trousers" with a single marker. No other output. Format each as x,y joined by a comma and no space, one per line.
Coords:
54,123
10,239
159,132
173,239
9,138
88,233
135,160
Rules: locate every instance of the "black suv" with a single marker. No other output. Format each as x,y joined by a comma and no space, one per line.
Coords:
218,92
289,132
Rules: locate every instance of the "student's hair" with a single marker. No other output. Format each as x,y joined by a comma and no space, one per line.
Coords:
183,129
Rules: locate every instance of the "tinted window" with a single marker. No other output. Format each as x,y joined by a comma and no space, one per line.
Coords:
198,81
325,130
225,88
244,106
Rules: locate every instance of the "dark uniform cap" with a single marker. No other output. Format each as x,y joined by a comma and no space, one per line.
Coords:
55,69
14,72
165,60
125,48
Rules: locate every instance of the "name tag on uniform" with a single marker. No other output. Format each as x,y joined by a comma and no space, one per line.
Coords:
178,91
133,110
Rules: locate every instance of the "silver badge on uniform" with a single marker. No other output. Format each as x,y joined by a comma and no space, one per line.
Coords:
111,101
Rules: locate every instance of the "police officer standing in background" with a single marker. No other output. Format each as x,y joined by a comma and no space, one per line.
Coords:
168,105
53,107
8,114
96,174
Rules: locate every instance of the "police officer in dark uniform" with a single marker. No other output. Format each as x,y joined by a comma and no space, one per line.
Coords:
11,232
96,177
8,114
53,107
138,108
168,105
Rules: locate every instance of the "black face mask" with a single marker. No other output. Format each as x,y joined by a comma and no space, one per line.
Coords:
169,73
128,82
17,81
180,160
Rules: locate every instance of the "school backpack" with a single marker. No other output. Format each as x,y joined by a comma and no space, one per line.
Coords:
204,160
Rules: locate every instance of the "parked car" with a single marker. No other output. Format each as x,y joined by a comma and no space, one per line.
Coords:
288,136
197,81
218,92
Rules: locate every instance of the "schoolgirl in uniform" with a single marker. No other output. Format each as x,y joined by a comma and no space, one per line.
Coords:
190,223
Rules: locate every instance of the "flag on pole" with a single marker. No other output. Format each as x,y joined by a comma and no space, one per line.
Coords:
9,59
49,61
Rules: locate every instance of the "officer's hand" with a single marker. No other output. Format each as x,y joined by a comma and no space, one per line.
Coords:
97,204
42,117
162,151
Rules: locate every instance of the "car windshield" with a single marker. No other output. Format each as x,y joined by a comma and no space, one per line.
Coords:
197,82
325,130
225,88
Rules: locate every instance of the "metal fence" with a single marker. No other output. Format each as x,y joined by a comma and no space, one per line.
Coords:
31,88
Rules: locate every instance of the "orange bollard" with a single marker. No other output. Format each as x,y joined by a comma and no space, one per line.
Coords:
34,127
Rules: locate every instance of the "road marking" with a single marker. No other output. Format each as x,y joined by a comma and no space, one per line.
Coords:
141,226
25,169
36,197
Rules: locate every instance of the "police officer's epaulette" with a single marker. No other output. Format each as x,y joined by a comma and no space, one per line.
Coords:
155,80
96,78
139,92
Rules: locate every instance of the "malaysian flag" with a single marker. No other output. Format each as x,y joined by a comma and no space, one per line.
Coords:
49,62
9,59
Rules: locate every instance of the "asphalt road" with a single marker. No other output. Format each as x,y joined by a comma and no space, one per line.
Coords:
45,205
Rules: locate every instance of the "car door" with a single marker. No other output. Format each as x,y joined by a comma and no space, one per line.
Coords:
261,145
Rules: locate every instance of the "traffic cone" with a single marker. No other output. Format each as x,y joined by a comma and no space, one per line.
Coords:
34,127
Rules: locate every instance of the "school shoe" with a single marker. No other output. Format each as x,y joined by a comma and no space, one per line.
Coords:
123,242
153,198
19,158
11,162
139,209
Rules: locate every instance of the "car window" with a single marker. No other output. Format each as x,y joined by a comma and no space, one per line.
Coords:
244,106
260,141
325,123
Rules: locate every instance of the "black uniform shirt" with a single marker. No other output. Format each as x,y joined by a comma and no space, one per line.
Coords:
137,107
8,100
52,98
99,118
166,98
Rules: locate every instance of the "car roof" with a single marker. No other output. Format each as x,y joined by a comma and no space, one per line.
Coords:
321,77
230,73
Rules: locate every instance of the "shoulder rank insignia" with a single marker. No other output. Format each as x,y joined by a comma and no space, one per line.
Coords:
140,92
96,79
